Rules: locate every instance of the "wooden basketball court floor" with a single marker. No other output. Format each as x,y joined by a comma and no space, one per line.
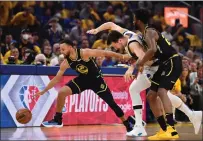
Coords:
90,132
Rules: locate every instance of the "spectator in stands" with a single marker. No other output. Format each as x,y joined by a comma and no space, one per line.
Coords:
57,60
29,56
54,32
108,15
5,9
8,53
14,57
6,46
108,62
101,42
85,44
193,67
23,19
40,59
45,43
56,50
94,15
25,44
119,17
1,59
76,31
47,15
87,24
167,33
158,17
196,86
85,11
35,36
47,51
190,55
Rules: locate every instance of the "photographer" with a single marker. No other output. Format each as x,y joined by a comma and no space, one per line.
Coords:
196,85
29,56
40,59
14,57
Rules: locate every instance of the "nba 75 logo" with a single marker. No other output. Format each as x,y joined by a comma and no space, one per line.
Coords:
27,96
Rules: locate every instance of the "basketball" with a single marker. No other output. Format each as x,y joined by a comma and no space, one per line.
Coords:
23,116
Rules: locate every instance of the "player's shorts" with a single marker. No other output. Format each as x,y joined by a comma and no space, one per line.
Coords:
149,71
167,74
81,83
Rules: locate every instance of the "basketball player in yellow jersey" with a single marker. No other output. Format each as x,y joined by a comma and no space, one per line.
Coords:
164,78
89,77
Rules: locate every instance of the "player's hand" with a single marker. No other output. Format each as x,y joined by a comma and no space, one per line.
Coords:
64,65
140,69
129,75
139,66
40,93
126,57
92,31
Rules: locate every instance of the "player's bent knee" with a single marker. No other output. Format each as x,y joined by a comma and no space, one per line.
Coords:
65,91
133,89
151,96
161,92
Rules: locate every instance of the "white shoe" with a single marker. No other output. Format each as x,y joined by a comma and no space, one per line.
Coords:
143,122
137,131
196,120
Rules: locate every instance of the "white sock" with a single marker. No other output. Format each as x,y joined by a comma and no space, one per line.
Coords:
184,108
179,104
137,86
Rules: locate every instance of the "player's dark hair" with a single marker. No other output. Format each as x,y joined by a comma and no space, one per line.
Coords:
113,36
67,41
142,15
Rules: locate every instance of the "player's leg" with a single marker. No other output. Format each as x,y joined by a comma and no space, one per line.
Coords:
172,71
102,90
74,86
57,120
108,98
194,116
156,103
136,87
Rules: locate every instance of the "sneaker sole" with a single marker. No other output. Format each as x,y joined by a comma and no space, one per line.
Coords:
140,135
199,120
58,126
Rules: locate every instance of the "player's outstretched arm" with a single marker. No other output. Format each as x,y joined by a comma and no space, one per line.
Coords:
64,65
107,26
104,53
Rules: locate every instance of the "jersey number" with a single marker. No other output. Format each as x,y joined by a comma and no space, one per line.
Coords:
167,41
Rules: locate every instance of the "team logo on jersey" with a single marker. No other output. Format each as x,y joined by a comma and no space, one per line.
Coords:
102,86
82,69
129,34
27,96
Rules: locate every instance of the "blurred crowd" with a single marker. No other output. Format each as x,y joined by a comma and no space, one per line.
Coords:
30,32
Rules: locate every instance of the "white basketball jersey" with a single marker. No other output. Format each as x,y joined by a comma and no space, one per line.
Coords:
133,37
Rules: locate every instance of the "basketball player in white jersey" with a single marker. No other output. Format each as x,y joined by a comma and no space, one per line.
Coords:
136,48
